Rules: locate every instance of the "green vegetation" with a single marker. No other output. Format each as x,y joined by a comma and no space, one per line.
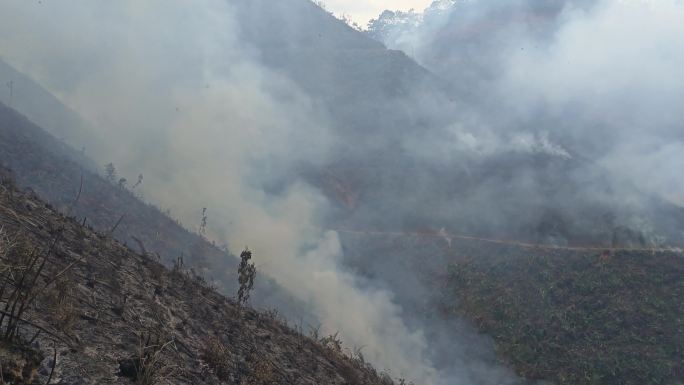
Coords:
579,319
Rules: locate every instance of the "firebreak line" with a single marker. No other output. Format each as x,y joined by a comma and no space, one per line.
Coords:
449,237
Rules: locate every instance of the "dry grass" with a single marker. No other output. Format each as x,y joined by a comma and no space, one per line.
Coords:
61,308
149,365
261,372
255,370
21,266
18,291
217,356
116,287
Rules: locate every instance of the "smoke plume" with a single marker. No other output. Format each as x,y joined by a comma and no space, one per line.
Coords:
172,92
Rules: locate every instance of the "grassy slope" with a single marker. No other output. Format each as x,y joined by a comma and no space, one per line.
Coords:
579,318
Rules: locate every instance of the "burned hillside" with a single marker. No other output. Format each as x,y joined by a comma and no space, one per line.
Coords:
111,315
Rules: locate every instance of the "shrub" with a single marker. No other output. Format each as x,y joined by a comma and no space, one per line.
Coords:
246,274
148,366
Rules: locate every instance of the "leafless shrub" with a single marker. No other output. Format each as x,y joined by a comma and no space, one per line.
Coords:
403,381
332,343
314,332
178,267
357,355
21,264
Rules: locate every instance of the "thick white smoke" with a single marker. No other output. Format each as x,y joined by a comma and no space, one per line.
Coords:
602,77
173,93
617,66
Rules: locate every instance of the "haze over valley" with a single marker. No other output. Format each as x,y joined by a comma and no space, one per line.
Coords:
478,192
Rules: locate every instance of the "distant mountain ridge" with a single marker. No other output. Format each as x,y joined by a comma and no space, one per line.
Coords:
43,108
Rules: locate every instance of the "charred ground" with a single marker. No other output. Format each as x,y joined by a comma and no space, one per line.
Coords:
110,315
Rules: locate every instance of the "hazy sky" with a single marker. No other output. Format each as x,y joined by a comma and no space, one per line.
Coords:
363,10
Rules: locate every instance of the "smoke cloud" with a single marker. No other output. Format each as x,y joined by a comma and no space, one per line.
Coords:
172,92
617,66
595,78
591,84
538,111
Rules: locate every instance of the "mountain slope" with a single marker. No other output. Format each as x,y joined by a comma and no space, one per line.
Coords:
110,315
371,94
406,157
407,151
413,150
55,172
568,316
43,108
577,318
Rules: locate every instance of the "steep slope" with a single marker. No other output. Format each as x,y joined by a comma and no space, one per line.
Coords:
357,79
408,150
568,316
43,108
557,150
42,163
578,318
404,160
55,172
110,316
414,149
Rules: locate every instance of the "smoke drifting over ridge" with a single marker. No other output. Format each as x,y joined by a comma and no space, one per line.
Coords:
600,79
172,92
619,66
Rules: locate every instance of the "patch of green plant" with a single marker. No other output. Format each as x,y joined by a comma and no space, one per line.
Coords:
579,319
